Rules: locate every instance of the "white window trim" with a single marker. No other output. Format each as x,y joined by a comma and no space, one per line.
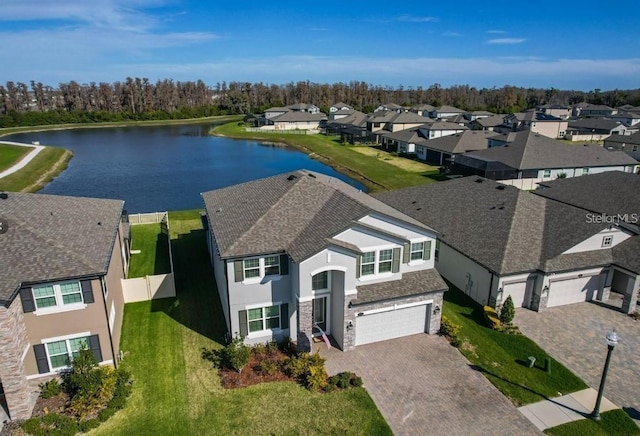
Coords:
321,290
261,333
57,372
60,339
261,269
376,264
60,306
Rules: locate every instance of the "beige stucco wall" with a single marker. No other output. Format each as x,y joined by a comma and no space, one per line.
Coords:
550,129
113,282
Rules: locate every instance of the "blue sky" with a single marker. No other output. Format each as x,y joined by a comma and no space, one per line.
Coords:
563,44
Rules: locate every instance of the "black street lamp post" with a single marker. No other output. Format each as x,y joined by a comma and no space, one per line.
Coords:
612,340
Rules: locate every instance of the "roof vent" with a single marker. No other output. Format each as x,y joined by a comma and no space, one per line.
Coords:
292,177
413,202
478,180
4,195
500,187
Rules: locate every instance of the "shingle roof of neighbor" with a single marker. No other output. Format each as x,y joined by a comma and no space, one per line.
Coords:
53,237
296,212
534,151
501,227
462,142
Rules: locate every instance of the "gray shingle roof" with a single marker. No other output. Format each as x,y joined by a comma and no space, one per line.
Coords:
501,227
594,124
626,139
492,121
294,212
293,116
445,125
534,151
54,237
412,284
448,109
461,142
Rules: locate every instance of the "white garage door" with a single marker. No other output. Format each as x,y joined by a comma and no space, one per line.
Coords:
572,291
517,291
391,324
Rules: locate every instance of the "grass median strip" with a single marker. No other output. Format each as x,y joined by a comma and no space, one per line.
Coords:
176,391
11,154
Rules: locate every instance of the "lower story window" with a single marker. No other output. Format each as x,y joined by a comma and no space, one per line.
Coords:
264,318
61,353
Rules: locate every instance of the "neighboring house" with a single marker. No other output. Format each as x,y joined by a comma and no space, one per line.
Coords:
576,109
296,120
498,241
531,158
629,144
446,112
352,128
304,107
422,109
339,107
556,110
390,107
596,111
403,141
441,151
488,123
300,253
477,115
627,118
594,129
62,260
342,113
404,120
275,112
379,119
438,129
538,122
611,198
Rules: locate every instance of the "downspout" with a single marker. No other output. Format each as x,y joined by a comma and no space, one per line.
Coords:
105,291
491,286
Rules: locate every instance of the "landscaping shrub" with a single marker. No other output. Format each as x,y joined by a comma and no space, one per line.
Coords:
344,380
451,330
356,381
308,369
508,311
233,356
491,318
50,388
268,367
50,424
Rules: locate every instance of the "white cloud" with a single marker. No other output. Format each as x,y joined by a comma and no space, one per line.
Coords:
497,32
506,41
451,34
414,19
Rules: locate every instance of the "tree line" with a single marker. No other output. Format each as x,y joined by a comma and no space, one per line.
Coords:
140,99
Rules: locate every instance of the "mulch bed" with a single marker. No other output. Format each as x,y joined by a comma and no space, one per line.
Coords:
55,404
252,373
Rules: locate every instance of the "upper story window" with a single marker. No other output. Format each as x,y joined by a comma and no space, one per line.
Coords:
585,171
257,267
417,251
378,262
607,241
547,173
56,297
386,259
320,281
368,263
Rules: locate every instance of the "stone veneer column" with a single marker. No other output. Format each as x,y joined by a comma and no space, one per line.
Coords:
435,318
349,334
305,325
630,297
13,342
538,300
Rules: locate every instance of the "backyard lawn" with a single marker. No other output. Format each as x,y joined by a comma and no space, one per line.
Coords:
175,391
375,173
11,154
503,357
39,171
154,251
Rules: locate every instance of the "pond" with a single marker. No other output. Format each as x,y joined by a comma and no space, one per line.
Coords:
164,167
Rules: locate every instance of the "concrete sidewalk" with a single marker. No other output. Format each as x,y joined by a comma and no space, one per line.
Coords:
567,408
24,161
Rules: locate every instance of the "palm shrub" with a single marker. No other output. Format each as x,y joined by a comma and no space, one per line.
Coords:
508,311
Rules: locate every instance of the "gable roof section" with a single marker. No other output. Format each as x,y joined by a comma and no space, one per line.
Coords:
530,150
633,139
54,237
501,227
445,125
461,142
594,124
492,121
295,212
448,110
295,116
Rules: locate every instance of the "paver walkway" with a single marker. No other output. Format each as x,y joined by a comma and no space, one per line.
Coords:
567,408
575,336
24,161
422,385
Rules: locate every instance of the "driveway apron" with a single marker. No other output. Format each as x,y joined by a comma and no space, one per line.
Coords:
422,385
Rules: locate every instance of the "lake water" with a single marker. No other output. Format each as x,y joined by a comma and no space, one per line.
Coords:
164,167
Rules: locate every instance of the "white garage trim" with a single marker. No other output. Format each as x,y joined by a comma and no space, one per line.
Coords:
392,322
394,307
573,289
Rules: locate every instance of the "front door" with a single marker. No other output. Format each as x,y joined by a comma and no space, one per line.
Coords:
319,313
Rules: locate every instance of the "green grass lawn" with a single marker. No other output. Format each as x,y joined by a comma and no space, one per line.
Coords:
11,154
175,391
154,251
502,357
34,176
376,174
614,422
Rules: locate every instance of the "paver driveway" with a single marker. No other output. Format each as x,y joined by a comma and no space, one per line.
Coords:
424,386
575,336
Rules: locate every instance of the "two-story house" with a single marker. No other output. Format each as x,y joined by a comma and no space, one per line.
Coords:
62,260
299,254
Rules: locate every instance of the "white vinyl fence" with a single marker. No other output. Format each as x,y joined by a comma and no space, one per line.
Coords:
154,286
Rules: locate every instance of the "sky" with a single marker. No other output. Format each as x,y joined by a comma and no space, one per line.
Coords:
580,45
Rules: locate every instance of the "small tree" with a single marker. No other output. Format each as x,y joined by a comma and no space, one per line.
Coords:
508,311
236,354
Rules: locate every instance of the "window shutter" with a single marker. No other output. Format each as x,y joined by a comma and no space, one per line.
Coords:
284,264
244,327
358,261
41,358
87,291
427,250
284,316
406,255
238,270
28,304
94,346
395,265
